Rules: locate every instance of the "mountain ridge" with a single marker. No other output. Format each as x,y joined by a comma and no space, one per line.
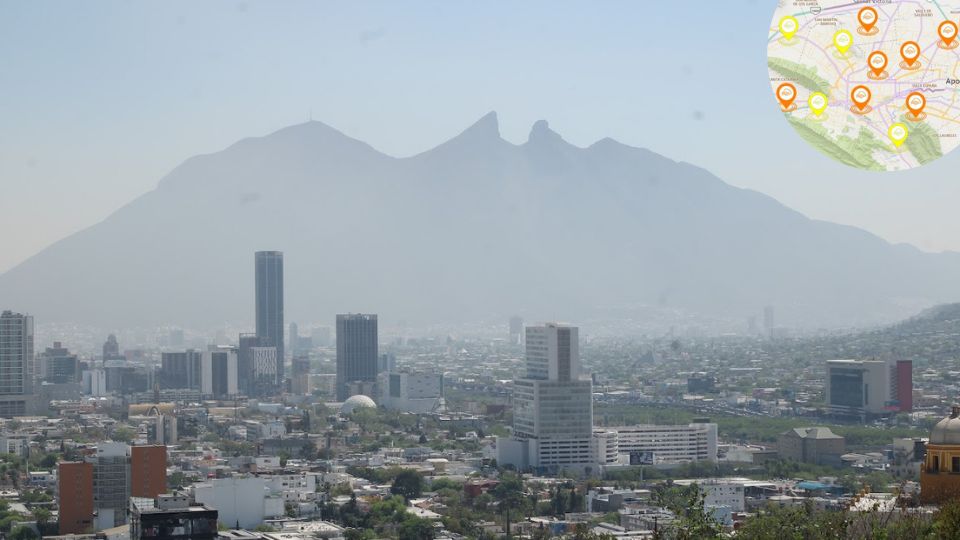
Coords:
474,227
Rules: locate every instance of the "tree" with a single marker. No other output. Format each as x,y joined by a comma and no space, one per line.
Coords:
123,434
408,483
414,528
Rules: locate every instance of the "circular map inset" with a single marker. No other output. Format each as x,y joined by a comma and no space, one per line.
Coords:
874,85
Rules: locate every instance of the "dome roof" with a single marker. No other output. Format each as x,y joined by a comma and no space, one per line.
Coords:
356,402
947,431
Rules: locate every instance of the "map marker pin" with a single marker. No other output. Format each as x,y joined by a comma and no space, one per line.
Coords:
878,62
843,39
818,103
948,33
898,134
910,51
788,27
916,102
868,19
786,94
861,96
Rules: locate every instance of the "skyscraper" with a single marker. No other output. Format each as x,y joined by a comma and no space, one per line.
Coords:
16,364
111,348
180,370
357,351
57,365
269,303
553,405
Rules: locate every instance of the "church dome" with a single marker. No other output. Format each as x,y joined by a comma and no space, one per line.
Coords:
947,431
356,402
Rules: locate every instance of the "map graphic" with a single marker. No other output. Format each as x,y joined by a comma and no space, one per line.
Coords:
873,84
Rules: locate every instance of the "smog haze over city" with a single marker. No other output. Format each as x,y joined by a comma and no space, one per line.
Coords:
430,270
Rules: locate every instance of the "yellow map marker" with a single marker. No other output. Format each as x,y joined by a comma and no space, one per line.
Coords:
898,134
818,103
789,26
843,40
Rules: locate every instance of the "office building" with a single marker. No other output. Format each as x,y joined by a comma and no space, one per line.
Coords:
264,364
552,405
769,324
172,517
111,348
862,388
16,365
269,303
58,366
75,497
178,370
357,352
659,444
245,361
411,392
218,372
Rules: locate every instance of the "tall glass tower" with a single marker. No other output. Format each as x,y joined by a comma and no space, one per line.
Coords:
269,303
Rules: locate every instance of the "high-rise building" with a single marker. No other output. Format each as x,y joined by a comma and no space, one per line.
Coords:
552,405
218,372
903,390
769,324
75,497
16,364
357,351
245,361
57,365
269,303
180,370
861,388
264,363
111,349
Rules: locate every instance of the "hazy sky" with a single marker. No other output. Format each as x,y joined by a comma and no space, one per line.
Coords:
98,100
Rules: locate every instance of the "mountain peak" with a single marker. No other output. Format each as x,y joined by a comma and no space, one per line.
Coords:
541,133
488,126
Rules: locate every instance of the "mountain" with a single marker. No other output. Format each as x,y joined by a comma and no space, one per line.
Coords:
476,227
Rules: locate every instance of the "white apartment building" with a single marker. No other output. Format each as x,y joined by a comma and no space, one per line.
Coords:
653,444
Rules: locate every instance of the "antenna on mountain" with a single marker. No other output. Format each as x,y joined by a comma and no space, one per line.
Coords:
311,115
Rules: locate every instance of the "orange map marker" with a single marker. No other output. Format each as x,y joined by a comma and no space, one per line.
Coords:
861,96
948,33
916,102
868,19
910,51
786,94
878,62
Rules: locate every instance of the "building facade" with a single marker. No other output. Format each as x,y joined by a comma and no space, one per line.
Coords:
269,303
357,351
818,445
552,405
219,372
180,370
860,388
16,365
75,497
655,444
